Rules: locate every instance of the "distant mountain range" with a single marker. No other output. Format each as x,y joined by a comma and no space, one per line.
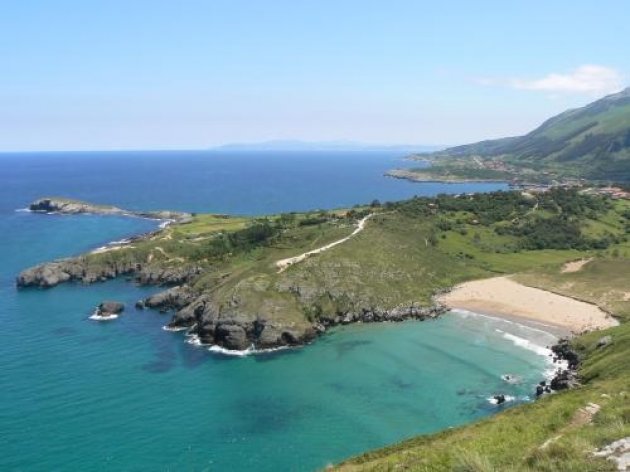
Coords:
591,142
296,145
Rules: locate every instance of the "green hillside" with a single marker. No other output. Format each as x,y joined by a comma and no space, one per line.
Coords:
591,142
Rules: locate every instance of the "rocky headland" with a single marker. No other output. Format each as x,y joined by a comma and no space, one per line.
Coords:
75,207
239,319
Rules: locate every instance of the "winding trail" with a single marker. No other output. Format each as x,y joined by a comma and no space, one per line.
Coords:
283,264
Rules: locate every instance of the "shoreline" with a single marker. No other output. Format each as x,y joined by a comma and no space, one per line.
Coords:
505,298
403,174
547,328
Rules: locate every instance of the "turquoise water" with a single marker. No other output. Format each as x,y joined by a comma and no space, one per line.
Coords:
125,395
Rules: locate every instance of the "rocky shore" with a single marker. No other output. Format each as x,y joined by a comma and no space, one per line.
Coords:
75,207
231,327
234,329
82,270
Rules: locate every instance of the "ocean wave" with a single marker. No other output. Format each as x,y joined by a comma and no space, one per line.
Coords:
164,223
468,314
23,210
525,343
194,340
109,317
246,352
508,398
174,329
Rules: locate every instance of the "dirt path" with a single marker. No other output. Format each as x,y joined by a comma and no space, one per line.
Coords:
284,263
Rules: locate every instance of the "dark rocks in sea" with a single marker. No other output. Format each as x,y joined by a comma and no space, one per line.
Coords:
563,378
500,399
72,270
565,352
108,309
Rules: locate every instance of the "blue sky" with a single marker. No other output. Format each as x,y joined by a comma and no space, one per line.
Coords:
82,75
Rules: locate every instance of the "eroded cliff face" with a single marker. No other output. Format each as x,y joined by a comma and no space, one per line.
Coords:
237,320
83,270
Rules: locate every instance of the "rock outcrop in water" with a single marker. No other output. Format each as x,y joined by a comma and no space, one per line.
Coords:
565,378
75,207
82,270
110,308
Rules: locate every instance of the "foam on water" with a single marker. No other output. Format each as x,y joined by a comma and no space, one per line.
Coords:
525,343
508,399
109,317
174,329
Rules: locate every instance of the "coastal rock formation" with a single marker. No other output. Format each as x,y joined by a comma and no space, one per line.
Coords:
107,310
110,308
565,378
75,207
234,327
72,270
174,298
82,270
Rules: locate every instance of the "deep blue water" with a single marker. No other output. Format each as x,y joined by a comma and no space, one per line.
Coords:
125,395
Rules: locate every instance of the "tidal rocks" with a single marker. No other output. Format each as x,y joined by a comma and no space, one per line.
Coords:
499,399
107,310
231,336
72,270
111,307
565,378
174,298
82,269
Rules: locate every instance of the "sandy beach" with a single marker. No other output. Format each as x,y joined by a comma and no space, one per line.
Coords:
503,297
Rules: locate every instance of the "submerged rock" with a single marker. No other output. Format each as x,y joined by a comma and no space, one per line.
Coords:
111,308
499,399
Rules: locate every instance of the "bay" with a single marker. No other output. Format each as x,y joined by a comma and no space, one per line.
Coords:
125,395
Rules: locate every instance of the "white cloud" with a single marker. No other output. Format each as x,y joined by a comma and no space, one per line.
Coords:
591,79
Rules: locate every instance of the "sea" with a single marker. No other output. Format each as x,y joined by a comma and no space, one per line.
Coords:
125,395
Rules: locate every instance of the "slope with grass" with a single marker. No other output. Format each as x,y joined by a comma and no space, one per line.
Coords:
592,142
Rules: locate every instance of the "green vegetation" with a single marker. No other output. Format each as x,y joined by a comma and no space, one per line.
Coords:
592,142
408,251
555,433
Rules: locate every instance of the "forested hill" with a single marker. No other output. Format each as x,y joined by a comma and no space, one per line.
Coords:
592,142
